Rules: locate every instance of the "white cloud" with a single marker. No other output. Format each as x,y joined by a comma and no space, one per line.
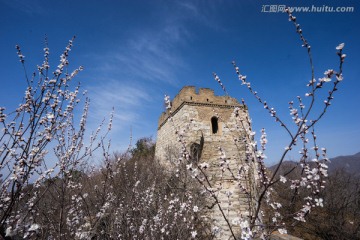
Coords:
189,6
33,7
124,98
147,59
128,102
152,56
153,53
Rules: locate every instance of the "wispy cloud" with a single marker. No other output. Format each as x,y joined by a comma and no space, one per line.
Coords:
189,6
32,7
127,101
124,98
148,57
151,56
204,12
154,54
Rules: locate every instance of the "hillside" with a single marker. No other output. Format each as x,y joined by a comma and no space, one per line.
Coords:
337,217
350,164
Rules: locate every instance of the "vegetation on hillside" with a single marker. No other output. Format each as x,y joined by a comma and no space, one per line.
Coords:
336,216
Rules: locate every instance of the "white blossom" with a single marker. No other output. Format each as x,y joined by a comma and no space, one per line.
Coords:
340,46
282,231
319,202
283,179
34,227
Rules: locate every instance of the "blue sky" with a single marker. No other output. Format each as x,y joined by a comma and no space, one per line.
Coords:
136,51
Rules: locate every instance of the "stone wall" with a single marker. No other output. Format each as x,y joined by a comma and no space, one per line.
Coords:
191,116
205,96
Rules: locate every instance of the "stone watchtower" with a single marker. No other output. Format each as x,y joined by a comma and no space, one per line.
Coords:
207,123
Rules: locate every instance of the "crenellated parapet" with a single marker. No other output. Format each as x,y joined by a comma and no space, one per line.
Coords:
203,97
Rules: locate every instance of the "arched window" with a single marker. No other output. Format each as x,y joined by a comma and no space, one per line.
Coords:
214,125
195,151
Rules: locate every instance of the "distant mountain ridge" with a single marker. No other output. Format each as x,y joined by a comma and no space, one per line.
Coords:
349,163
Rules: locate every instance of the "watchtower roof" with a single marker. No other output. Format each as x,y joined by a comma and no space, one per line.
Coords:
204,97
